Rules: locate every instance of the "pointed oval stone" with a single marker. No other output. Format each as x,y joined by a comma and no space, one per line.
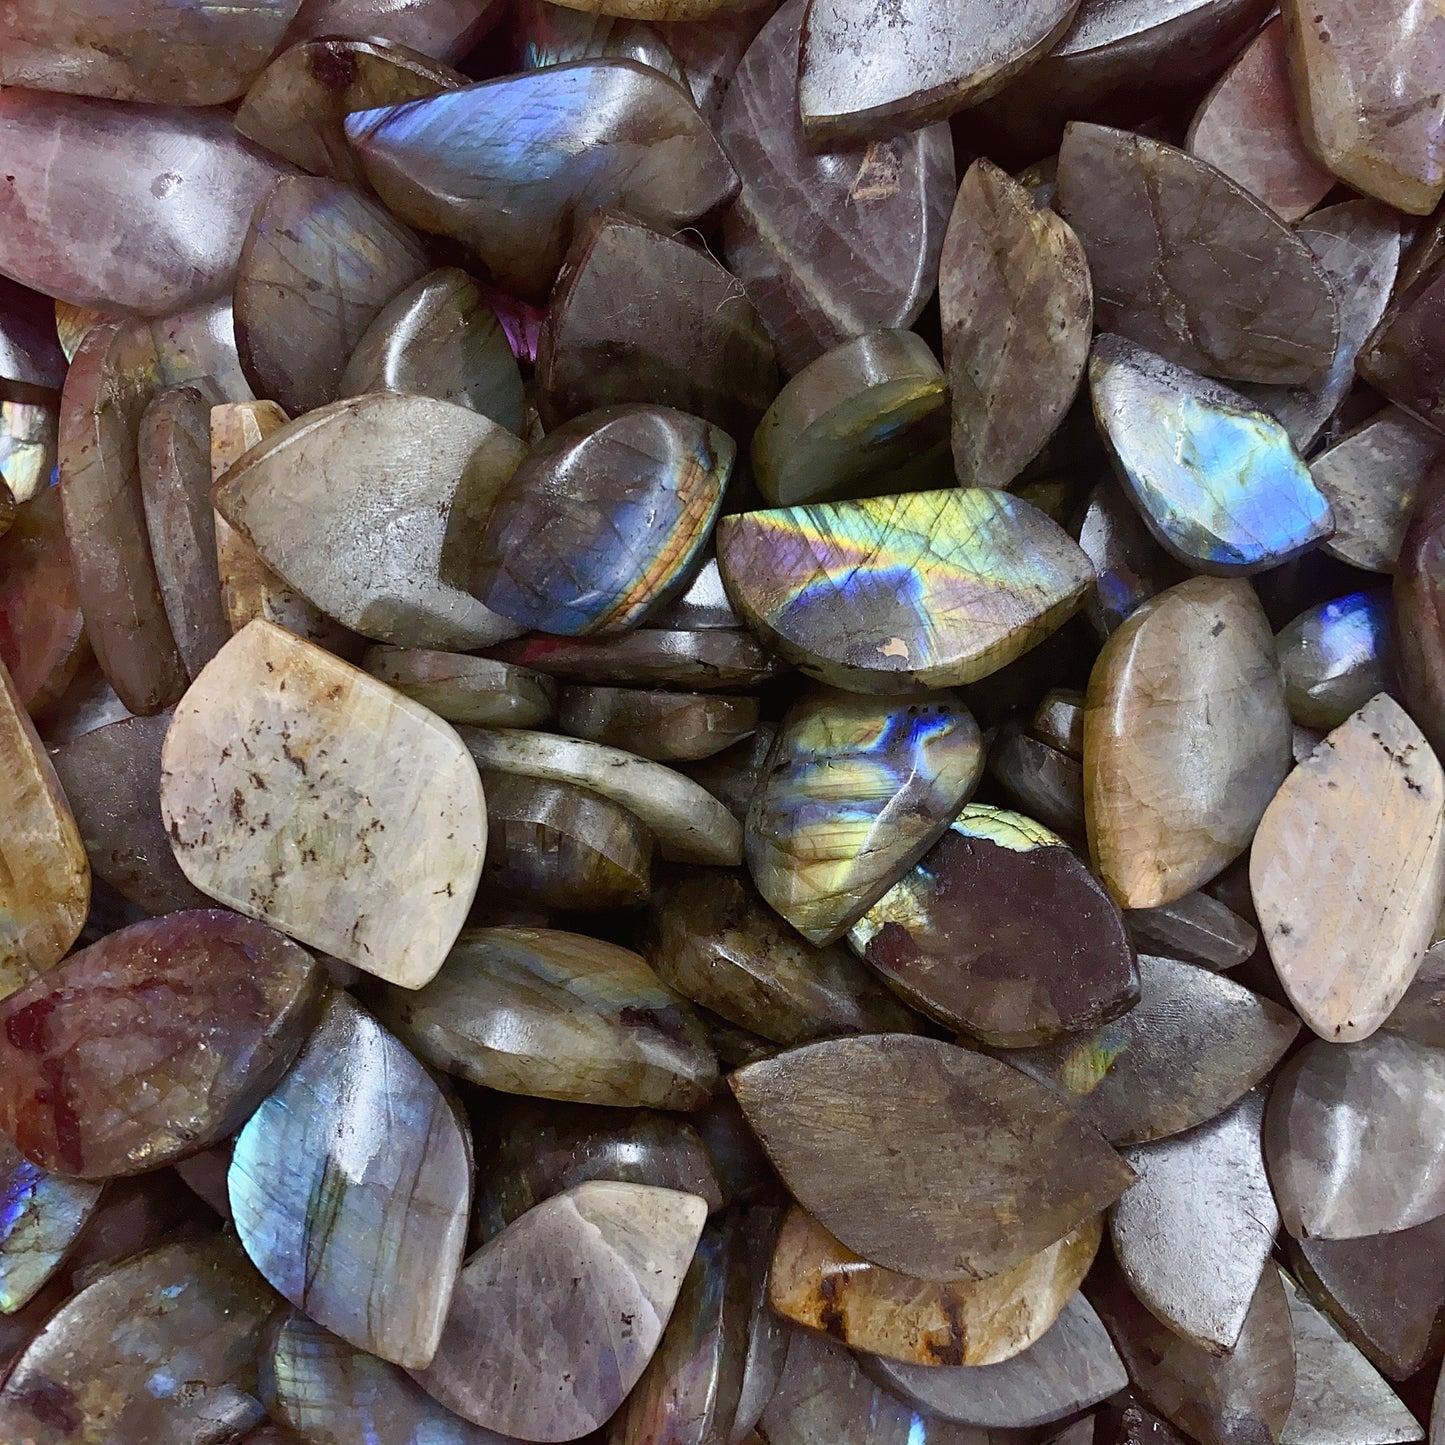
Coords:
1215,281
719,659
1346,944
350,1187
1335,657
528,1354
42,1215
1186,739
366,833
925,1158
664,726
465,689
988,577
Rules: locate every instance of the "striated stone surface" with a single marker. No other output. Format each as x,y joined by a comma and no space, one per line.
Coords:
1186,738
1193,1044
368,1239
465,689
717,659
366,837
815,1281
988,576
1003,933
1017,309
528,1354
1216,282
854,792
925,1158
1196,928
664,726
443,29
1335,657
1346,930
41,1217
155,1042
452,163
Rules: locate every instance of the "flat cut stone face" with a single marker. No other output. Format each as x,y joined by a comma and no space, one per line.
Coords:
1402,358
525,1352
955,1191
1196,928
1335,657
368,1237
664,726
465,689
1215,282
367,837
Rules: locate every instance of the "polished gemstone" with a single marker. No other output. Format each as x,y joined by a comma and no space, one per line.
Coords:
1003,933
1186,738
545,34
599,523
301,791
1218,482
717,659
1130,566
367,1238
347,507
440,338
665,726
510,166
155,1042
529,1354
465,689
1402,358
1193,1044
767,1342
815,1281
1346,931
1335,657
1059,720
1419,611
925,1158
855,791
733,777
558,1016
931,588
443,29
30,350
41,1217
713,939
703,606
1017,309
1213,281
1044,782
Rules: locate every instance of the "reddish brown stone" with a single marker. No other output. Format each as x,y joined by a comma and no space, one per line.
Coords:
1405,358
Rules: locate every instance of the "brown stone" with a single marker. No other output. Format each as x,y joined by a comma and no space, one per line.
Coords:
715,658
664,726
1402,358
732,777
446,30
1041,781
465,689
1419,611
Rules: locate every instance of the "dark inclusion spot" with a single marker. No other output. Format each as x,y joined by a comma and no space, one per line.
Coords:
334,66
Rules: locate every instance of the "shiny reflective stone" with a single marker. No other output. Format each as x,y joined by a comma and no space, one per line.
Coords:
1193,1044
1186,738
829,246
545,34
155,1042
601,519
30,350
465,689
733,777
443,29
1214,281
1017,309
1419,620
716,659
1043,782
1130,566
855,791
440,338
815,1281
640,315
1346,933
931,588
665,726
350,1189
704,605
1218,482
925,1158
41,1216
1003,933
365,833
528,1353
557,1016
29,444
713,939
866,417
1335,657
1059,721
454,163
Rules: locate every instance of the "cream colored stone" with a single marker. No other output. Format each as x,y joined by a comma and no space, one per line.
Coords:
1348,871
301,791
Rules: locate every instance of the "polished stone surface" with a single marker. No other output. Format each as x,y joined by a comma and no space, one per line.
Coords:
1419,610
930,588
1017,309
665,726
365,835
715,659
1041,781
29,442
1402,357
30,350
925,1158
1130,566
1335,657
42,1215
443,29
1186,738
732,777
555,1015
1197,929
350,1188
465,689
855,791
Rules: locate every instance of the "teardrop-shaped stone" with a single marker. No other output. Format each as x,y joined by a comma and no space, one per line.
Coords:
1346,935
351,818
558,1016
931,588
1017,308
1335,657
1193,1044
816,1281
1214,281
350,1187
446,30
1186,739
926,1158
716,658
525,1351
1003,933
41,1217
1217,481
664,726
856,789
1353,1137
510,166
465,689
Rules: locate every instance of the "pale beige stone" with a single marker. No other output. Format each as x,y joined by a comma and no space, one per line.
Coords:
300,790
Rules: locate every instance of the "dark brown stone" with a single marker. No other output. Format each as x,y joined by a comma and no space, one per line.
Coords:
1403,357
716,658
665,726
1419,628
